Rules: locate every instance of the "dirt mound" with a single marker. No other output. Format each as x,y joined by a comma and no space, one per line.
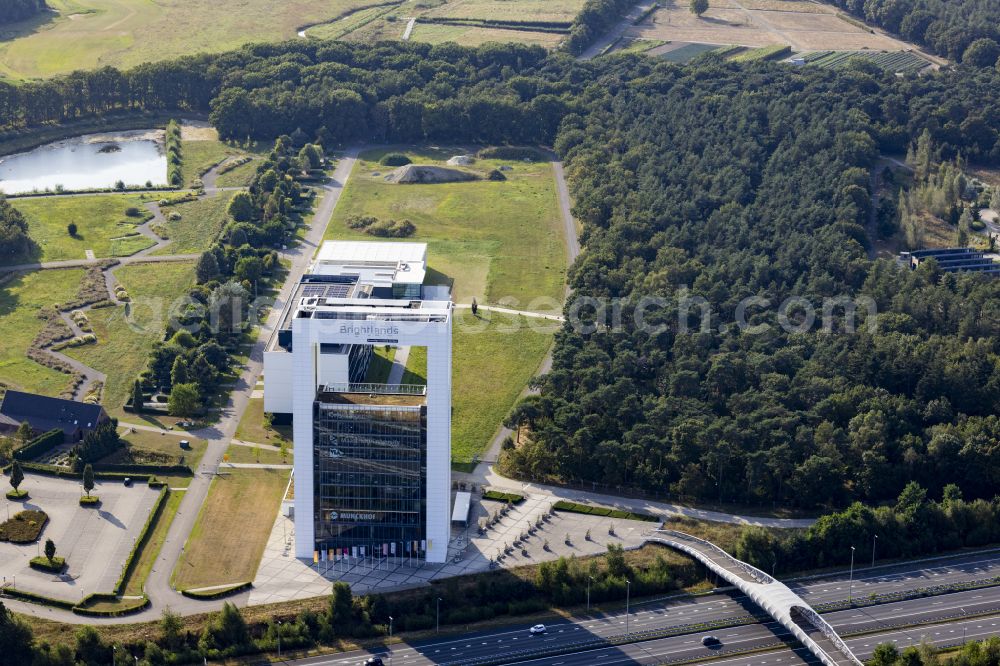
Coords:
415,173
461,160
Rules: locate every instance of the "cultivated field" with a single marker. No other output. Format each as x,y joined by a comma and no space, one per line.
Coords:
804,26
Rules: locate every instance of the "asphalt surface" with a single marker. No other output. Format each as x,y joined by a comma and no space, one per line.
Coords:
516,644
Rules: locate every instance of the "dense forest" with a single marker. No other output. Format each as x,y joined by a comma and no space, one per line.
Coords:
594,20
720,184
18,10
946,27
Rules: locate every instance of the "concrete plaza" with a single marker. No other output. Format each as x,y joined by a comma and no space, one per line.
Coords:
95,541
283,577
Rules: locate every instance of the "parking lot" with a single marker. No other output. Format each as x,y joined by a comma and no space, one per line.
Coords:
95,541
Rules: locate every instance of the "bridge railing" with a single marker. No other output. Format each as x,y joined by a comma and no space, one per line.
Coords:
817,621
750,570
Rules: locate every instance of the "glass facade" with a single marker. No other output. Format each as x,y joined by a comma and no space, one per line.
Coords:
370,477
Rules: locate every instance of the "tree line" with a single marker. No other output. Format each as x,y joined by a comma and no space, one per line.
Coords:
14,239
947,27
911,526
12,11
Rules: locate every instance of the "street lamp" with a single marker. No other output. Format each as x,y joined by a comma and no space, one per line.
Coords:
590,579
279,639
628,594
850,588
438,629
874,539
390,639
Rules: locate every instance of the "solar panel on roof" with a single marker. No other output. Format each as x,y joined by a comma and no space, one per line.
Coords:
313,290
338,290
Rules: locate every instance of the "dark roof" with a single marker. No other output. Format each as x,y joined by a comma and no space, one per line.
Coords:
45,413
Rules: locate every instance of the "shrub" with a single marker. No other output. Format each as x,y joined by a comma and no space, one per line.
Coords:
24,527
173,216
43,564
496,174
394,160
90,500
133,211
500,496
71,229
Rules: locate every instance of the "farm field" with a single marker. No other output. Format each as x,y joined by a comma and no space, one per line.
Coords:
245,497
389,22
20,299
903,62
123,345
93,33
489,240
102,225
804,26
200,224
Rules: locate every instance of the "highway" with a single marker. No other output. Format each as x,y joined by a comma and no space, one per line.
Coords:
582,632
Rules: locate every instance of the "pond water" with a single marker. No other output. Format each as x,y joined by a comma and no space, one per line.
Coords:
87,162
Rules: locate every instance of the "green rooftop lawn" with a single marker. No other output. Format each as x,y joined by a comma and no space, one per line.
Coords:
99,218
20,299
490,240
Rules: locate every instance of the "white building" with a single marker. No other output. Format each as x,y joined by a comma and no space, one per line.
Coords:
372,461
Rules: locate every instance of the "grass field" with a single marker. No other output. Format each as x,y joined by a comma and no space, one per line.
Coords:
201,155
99,219
802,25
252,427
147,556
475,36
20,299
237,453
381,365
123,346
94,33
164,447
239,176
200,224
490,240
248,498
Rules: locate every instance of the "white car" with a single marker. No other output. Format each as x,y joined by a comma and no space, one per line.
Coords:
537,629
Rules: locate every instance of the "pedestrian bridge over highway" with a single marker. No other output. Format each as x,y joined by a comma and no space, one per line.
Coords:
786,607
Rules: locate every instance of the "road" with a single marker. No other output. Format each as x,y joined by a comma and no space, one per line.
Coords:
617,31
681,611
218,437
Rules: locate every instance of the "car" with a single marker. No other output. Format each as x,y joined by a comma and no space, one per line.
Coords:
537,629
128,482
709,640
373,661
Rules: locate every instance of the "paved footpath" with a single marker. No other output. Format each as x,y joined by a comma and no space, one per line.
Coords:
218,437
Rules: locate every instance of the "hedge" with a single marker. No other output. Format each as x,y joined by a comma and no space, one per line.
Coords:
42,563
125,468
500,496
573,507
39,445
37,598
144,472
143,538
218,593
81,608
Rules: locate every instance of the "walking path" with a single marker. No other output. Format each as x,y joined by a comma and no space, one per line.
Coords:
521,313
409,29
398,368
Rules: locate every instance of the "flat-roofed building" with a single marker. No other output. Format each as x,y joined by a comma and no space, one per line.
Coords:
372,461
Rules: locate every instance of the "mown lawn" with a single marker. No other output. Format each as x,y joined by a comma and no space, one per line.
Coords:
238,176
199,226
168,446
198,157
252,427
492,360
237,453
99,219
490,240
124,343
214,554
147,556
20,299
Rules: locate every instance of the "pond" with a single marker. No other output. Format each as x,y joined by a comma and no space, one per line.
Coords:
93,161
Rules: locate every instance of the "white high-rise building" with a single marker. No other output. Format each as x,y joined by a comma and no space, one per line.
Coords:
372,460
